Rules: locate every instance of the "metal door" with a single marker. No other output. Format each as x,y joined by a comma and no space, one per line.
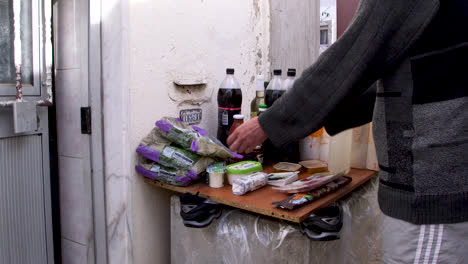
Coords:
25,92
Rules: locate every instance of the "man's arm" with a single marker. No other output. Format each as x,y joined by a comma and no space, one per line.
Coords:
379,36
352,113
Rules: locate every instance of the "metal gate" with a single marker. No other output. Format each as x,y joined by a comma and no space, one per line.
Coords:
25,92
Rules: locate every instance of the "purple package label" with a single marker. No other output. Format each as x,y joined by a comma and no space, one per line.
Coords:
145,172
194,146
192,174
184,180
148,153
164,126
237,156
200,131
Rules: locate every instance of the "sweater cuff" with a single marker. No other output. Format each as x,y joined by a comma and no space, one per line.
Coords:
272,129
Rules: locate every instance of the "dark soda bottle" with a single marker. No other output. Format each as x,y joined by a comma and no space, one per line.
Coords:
274,89
290,152
229,104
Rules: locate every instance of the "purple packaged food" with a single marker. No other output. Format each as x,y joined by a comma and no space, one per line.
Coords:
193,138
155,171
158,149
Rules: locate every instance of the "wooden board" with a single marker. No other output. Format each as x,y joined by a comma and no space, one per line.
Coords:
260,200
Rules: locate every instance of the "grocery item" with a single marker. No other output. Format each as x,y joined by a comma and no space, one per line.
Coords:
259,96
314,166
249,183
229,104
282,178
287,166
274,89
300,199
156,148
216,174
193,138
243,168
262,109
289,82
238,121
255,155
314,181
155,171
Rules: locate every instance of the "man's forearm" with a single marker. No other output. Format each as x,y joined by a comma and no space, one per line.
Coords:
378,38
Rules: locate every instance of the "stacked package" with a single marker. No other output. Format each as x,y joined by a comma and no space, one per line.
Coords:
176,153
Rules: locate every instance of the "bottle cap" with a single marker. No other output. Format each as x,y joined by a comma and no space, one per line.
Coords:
260,81
291,72
229,71
264,106
277,72
239,117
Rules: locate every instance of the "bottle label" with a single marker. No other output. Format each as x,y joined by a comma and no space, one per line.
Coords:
225,118
229,108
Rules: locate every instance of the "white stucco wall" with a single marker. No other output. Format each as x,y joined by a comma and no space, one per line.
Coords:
169,40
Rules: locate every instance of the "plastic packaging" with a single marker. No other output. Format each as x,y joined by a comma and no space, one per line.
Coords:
299,199
155,171
287,166
274,89
314,166
249,183
243,168
312,182
242,237
229,104
259,96
288,83
193,138
216,174
282,178
157,148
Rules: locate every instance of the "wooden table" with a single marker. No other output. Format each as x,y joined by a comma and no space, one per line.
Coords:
259,201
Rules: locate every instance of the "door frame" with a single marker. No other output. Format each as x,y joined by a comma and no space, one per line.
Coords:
95,93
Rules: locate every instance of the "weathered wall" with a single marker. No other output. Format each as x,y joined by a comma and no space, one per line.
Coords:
294,34
169,40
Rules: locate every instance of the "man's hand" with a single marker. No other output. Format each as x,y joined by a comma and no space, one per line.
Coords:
246,137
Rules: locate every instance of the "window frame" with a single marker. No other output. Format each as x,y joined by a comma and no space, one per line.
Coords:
41,89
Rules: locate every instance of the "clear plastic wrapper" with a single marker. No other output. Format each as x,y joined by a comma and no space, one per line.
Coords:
242,237
156,148
155,171
249,183
193,138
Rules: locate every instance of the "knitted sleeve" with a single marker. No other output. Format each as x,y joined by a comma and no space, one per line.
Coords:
377,39
352,113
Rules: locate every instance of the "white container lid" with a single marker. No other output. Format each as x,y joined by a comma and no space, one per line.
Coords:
239,117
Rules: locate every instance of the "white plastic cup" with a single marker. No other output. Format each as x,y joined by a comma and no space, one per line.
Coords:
216,179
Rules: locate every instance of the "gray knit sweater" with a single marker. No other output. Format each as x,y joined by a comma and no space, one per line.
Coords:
414,56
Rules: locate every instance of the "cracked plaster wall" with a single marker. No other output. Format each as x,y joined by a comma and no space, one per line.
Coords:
191,41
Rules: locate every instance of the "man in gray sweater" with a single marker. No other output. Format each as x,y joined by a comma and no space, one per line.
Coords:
416,54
